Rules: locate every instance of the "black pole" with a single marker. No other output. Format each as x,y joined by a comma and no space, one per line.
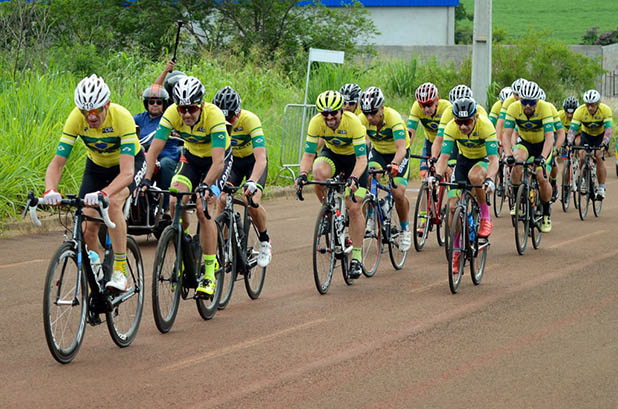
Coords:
177,39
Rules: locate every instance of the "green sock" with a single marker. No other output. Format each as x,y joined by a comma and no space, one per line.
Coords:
120,262
209,266
357,254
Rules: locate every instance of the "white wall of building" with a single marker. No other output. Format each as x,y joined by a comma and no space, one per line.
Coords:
405,26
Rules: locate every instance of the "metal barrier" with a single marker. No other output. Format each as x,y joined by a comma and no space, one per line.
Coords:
294,125
609,84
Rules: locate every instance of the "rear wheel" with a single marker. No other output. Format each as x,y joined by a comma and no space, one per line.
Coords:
584,198
422,218
254,275
499,192
522,222
478,248
597,203
398,257
565,197
324,250
207,307
166,281
457,230
442,228
536,213
372,240
230,259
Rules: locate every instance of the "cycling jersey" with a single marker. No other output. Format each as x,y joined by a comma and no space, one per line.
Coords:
481,142
392,130
566,122
247,134
530,129
495,112
505,106
555,115
105,144
447,116
347,139
430,124
593,125
208,132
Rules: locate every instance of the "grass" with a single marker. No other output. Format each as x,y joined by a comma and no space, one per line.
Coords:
565,20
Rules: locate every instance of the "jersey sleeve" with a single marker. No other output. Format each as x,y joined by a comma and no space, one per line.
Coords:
313,135
357,130
256,132
69,133
449,138
509,117
218,131
608,121
125,126
415,115
168,121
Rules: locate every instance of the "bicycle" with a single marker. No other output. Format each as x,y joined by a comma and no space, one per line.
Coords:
330,236
586,184
464,229
178,268
570,175
435,205
382,224
241,248
71,283
504,188
528,209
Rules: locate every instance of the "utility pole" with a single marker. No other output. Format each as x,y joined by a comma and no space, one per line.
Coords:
481,50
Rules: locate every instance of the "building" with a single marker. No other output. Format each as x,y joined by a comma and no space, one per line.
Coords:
409,22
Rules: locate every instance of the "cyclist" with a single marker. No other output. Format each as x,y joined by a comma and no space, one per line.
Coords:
344,152
495,109
477,161
428,110
250,161
515,88
535,123
351,96
595,119
558,142
205,161
390,144
114,167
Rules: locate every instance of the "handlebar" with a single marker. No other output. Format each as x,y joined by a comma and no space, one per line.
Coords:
587,148
327,183
461,185
375,171
230,189
33,203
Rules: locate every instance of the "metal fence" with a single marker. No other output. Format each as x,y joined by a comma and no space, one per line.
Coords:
609,86
295,121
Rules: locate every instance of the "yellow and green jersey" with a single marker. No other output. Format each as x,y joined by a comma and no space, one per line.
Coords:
347,139
481,142
531,129
430,123
247,134
594,125
116,136
447,116
505,106
555,115
209,131
495,112
392,129
566,122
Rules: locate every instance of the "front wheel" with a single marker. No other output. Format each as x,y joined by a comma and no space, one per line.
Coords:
522,222
478,247
324,249
499,192
166,281
565,197
442,230
64,304
398,257
372,240
207,307
536,215
255,275
456,250
584,198
422,217
230,259
124,318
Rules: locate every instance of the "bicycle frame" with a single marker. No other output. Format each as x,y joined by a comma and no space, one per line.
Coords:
385,219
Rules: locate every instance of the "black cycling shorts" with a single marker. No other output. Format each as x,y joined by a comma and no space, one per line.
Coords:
242,168
98,177
192,170
342,164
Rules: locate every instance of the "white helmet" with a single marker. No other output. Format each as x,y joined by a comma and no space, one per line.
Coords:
91,93
188,91
530,90
542,97
505,93
459,91
591,96
517,84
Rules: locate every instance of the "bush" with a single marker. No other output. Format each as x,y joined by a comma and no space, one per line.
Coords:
591,37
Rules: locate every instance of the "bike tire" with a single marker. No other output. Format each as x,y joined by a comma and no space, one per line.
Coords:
345,269
123,319
166,281
64,350
597,204
522,227
372,240
447,229
536,215
499,199
231,259
398,257
422,220
458,228
207,307
256,275
477,248
584,198
442,228
565,197
324,244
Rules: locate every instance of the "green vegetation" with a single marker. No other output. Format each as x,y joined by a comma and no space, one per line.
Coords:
567,20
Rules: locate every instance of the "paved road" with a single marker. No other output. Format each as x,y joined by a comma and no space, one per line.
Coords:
541,331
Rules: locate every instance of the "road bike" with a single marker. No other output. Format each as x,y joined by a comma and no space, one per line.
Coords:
587,187
570,175
528,208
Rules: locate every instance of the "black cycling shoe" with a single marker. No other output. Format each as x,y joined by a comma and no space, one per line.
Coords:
356,269
554,192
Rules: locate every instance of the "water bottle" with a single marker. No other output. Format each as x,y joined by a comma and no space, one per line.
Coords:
386,206
95,264
471,227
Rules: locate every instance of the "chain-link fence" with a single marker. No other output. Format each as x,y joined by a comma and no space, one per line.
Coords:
295,121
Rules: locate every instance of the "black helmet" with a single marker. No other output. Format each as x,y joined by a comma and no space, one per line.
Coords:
228,101
570,104
464,108
350,92
171,79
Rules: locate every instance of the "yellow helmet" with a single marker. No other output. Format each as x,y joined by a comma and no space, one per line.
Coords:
329,101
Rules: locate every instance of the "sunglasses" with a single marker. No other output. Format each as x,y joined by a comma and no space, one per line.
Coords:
426,104
529,102
155,102
183,109
466,122
349,103
95,111
329,114
374,112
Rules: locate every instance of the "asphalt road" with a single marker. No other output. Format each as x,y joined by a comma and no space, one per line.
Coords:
541,331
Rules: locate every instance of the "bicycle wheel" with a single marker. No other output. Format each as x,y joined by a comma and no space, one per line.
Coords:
478,247
521,218
584,198
255,275
499,191
565,196
207,307
230,255
597,203
124,318
64,305
442,228
447,221
345,269
457,229
166,281
398,257
536,218
372,241
324,249
422,217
